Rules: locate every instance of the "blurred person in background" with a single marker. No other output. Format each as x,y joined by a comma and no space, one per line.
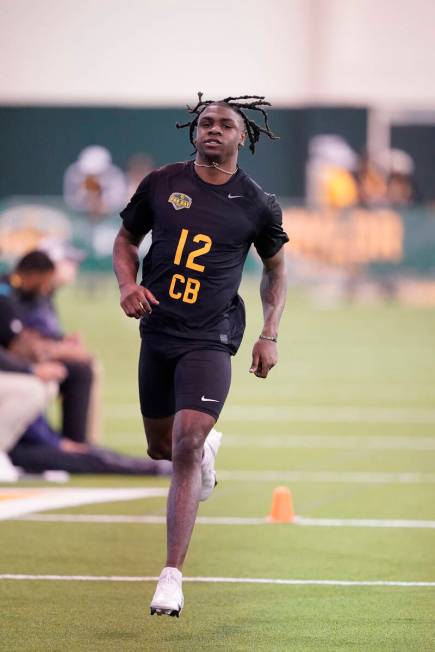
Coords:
26,387
26,439
40,448
330,179
93,185
372,183
44,318
399,169
29,289
96,188
40,309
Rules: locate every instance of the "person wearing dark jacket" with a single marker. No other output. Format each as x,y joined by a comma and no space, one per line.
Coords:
26,439
29,288
26,386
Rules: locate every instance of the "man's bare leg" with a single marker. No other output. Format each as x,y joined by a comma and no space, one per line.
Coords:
159,437
189,432
180,438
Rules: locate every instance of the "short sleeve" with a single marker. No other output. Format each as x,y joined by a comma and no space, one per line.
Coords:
271,236
137,215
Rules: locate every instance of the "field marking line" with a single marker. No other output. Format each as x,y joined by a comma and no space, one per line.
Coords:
302,414
361,477
232,520
43,499
216,580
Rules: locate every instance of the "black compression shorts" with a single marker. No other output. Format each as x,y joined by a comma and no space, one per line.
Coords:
176,375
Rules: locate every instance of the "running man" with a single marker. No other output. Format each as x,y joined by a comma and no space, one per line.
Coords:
204,215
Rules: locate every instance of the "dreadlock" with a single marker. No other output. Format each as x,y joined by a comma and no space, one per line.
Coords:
253,130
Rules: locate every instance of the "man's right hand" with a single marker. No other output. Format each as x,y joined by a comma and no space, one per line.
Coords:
48,371
136,300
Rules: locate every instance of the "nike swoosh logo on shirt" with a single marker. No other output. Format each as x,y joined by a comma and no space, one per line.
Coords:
234,196
209,399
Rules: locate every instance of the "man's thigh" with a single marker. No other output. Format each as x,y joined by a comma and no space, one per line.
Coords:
171,388
202,381
156,383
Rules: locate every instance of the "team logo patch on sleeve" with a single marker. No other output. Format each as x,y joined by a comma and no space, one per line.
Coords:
179,200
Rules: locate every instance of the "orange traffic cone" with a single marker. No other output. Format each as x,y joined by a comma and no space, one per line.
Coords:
282,506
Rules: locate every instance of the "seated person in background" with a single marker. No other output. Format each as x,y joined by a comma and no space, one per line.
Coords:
24,391
46,321
42,449
29,287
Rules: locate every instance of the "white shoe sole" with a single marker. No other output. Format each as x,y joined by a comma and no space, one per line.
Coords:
166,611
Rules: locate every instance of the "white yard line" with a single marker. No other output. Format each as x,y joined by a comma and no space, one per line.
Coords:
232,520
215,580
17,501
303,414
361,477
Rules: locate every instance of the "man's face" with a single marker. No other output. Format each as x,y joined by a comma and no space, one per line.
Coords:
220,131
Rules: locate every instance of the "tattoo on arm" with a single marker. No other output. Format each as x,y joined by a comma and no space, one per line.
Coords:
273,291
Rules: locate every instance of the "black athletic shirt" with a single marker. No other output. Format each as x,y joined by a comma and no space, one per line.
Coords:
201,234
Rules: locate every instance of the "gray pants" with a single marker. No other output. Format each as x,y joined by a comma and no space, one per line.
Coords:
23,397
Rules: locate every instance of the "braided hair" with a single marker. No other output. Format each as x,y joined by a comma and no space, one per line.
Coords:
253,103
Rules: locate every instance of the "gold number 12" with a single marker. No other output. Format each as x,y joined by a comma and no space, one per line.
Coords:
200,237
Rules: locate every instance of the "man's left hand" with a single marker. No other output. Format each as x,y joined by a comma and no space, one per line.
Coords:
264,357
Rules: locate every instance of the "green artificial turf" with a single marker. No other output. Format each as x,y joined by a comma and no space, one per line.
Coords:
101,616
361,375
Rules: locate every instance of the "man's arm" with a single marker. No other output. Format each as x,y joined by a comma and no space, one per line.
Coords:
273,291
135,299
45,371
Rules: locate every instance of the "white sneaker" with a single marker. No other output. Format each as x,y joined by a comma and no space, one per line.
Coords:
208,473
168,599
8,472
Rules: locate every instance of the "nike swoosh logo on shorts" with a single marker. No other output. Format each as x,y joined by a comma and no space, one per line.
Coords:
214,400
234,196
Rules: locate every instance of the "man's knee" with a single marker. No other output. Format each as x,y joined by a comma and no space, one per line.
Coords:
188,444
